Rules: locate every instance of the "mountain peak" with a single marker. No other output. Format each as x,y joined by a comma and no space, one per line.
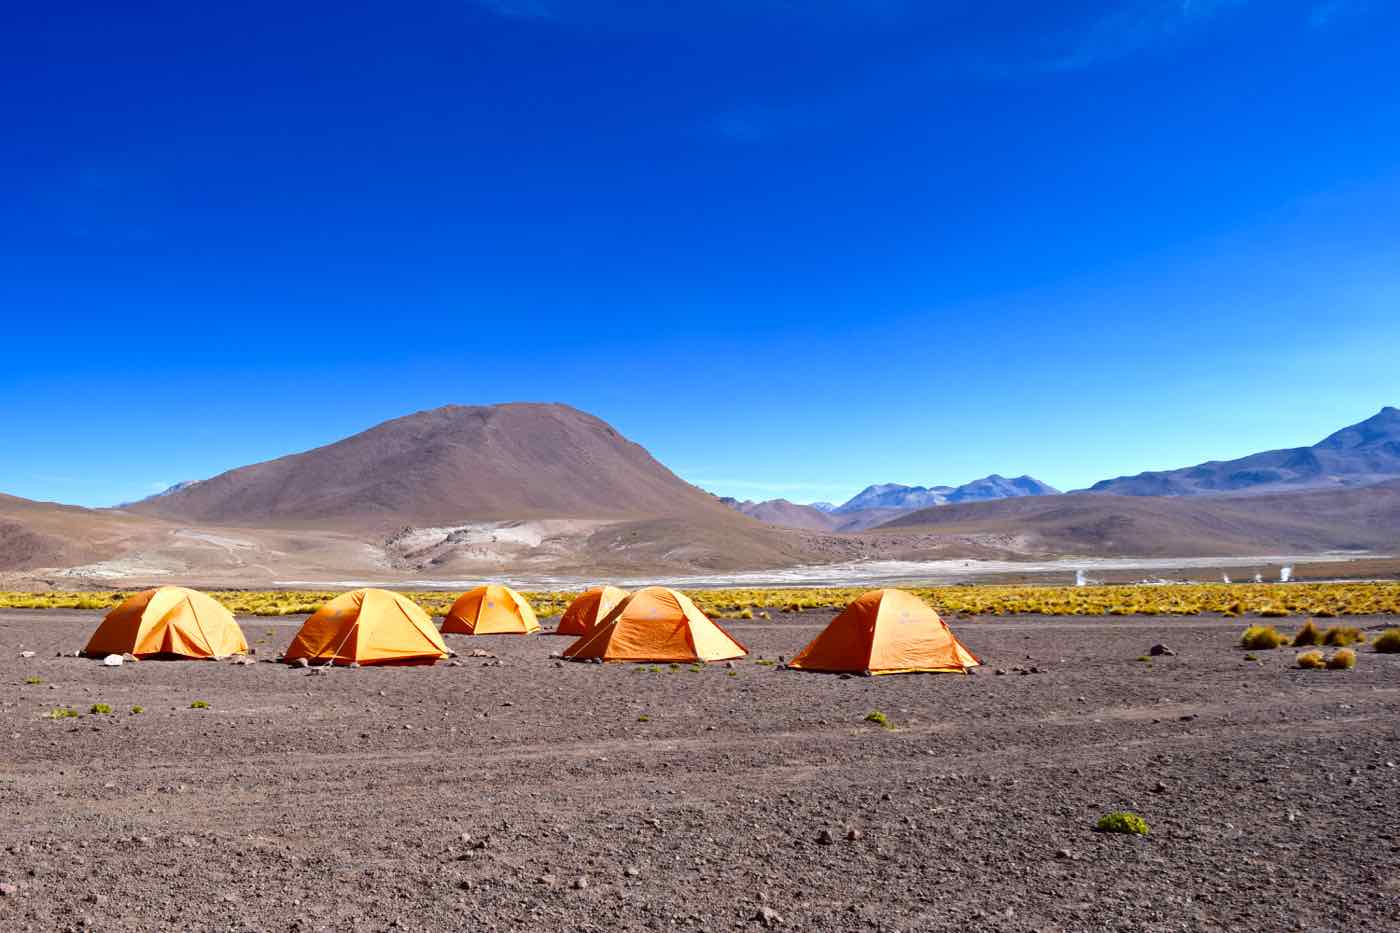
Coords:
454,463
1359,455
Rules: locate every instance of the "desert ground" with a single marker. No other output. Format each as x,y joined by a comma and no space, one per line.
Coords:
517,792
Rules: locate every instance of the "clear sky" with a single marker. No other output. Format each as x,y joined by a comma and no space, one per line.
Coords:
791,248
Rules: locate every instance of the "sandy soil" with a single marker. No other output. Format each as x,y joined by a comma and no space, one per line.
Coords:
530,795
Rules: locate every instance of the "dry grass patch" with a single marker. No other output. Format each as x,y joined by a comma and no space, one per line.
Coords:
1311,660
1388,642
1308,636
1343,660
1261,638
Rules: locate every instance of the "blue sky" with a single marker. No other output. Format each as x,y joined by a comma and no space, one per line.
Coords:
791,248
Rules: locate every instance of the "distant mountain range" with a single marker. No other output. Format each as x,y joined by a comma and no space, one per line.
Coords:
1364,454
1361,455
460,492
884,502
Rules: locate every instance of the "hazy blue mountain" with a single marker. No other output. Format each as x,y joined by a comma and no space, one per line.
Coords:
1361,455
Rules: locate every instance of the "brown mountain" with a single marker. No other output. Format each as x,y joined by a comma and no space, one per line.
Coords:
46,534
785,514
1366,518
451,464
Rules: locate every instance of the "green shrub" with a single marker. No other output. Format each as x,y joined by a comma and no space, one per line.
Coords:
1250,657
1388,642
32,680
1261,638
137,710
100,709
1122,822
1311,660
1144,659
644,718
733,673
199,704
1272,611
879,718
696,668
1308,635
1343,660
765,662
62,712
1339,636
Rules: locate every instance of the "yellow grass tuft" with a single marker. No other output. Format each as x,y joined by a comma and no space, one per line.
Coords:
1311,660
1388,642
1343,660
1339,636
1261,638
1308,635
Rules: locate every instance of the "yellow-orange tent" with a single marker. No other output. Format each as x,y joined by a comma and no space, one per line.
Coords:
490,610
368,627
590,608
656,624
886,632
169,621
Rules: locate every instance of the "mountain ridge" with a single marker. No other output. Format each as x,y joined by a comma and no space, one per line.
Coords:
1361,454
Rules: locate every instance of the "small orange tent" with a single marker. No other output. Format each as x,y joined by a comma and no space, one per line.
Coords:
169,621
368,627
589,609
490,610
656,624
886,632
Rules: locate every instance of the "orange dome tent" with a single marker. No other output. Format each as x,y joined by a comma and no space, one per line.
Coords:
656,624
592,607
169,621
490,610
368,627
886,632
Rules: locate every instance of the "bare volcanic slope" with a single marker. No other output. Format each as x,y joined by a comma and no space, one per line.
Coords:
46,534
1361,455
1312,521
785,514
457,463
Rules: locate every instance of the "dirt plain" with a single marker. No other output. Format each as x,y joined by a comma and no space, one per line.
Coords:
521,793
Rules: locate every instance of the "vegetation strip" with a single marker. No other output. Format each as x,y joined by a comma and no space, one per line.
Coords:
1265,600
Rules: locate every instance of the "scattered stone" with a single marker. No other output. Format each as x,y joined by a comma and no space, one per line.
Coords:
26,654
1000,672
580,883
301,662
8,889
112,660
825,838
729,665
129,657
1188,717
353,664
1161,651
1064,854
546,880
1159,788
768,917
631,871
466,884
479,653
853,834
482,843
454,663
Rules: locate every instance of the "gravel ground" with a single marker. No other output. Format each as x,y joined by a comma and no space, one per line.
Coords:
517,793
